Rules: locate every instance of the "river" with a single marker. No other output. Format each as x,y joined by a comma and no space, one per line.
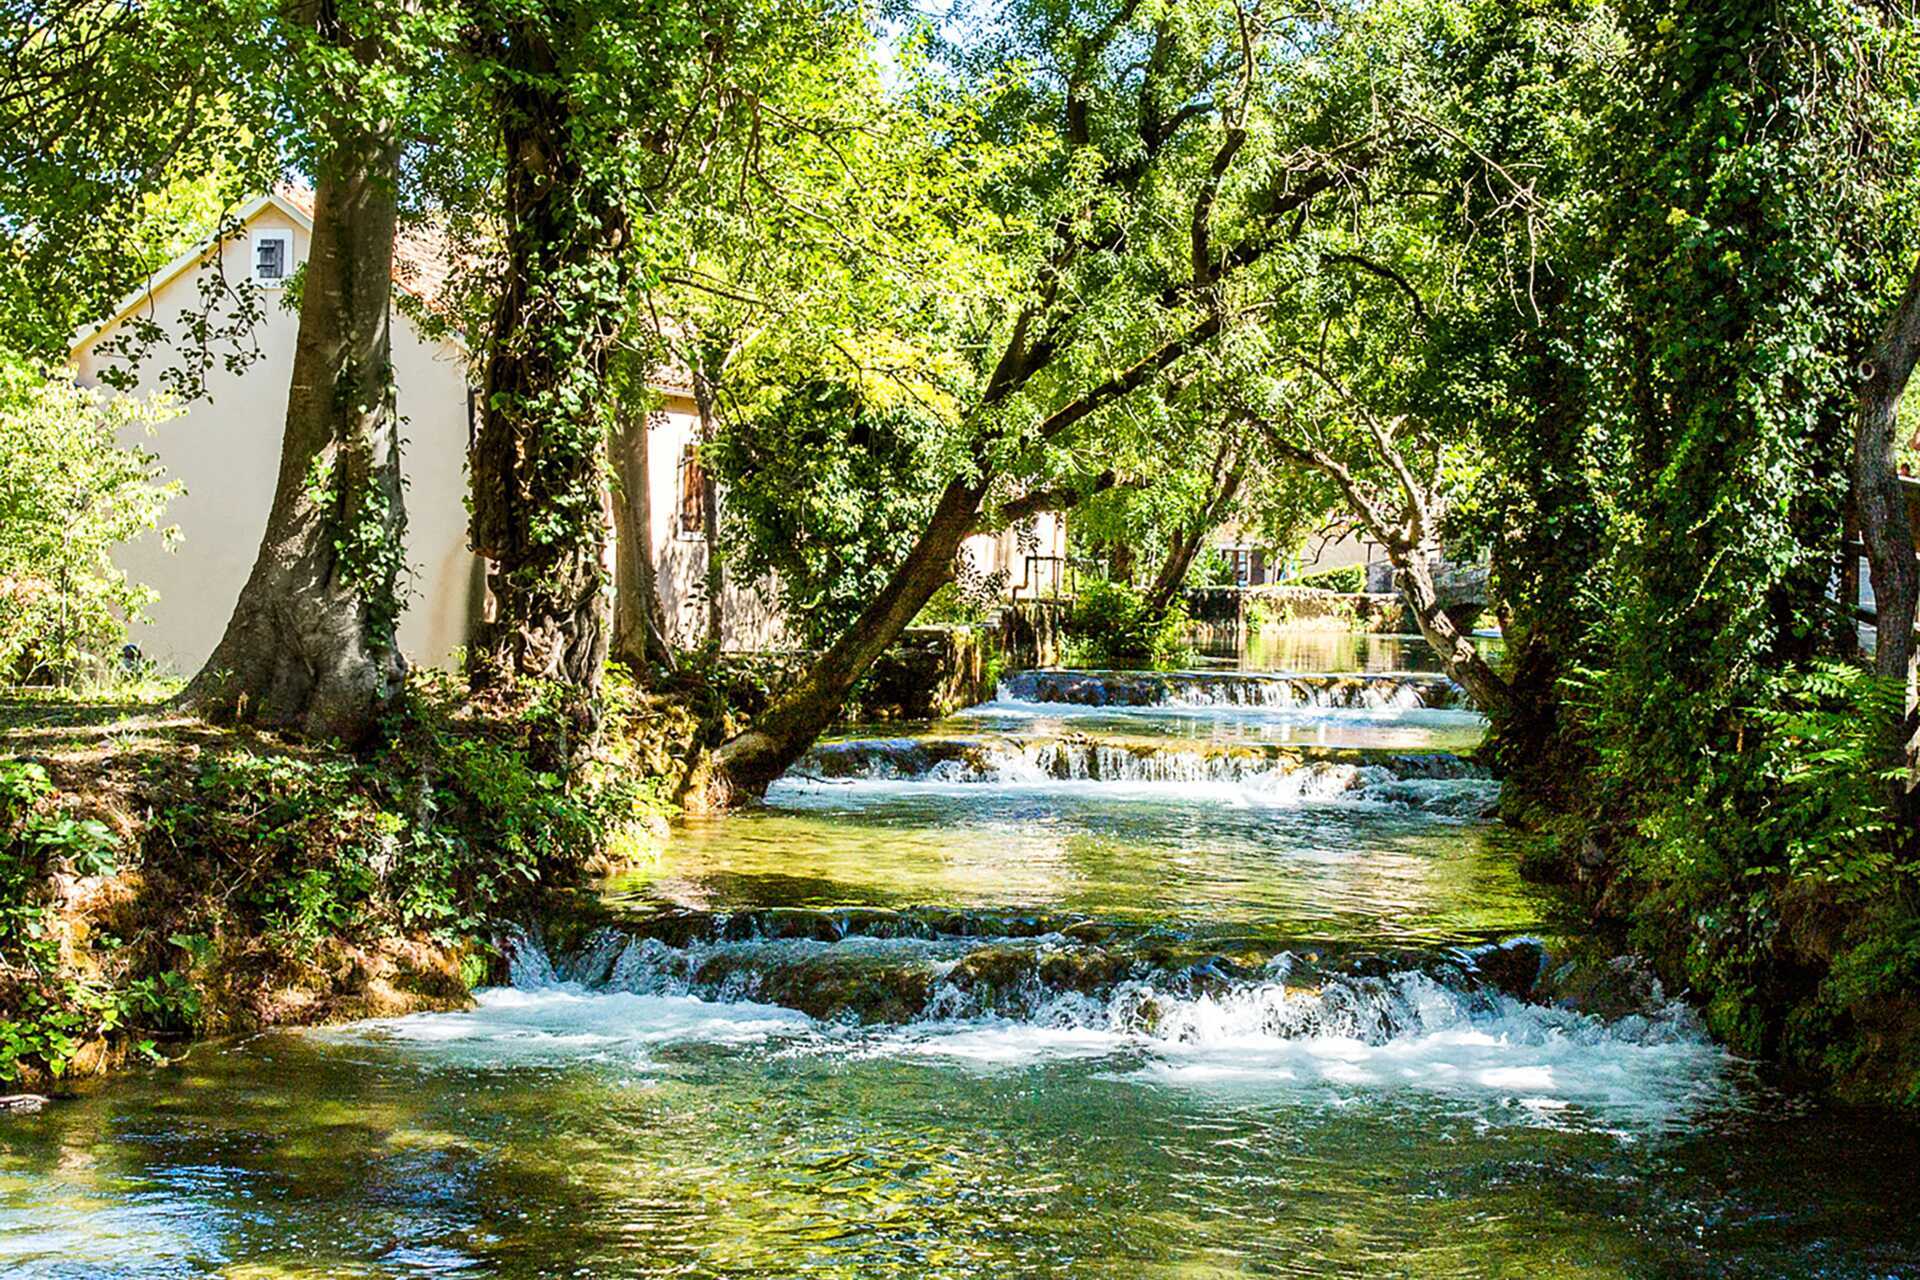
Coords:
1116,975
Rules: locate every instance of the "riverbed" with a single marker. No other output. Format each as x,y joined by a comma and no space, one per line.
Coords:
1118,974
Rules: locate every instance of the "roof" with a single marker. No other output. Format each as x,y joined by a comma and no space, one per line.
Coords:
421,262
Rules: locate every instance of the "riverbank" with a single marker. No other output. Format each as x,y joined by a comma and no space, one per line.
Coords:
1813,976
164,880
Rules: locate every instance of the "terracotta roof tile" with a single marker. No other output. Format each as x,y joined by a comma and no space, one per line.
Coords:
421,257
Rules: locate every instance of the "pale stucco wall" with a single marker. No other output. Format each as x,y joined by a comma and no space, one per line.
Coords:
749,611
1030,559
226,450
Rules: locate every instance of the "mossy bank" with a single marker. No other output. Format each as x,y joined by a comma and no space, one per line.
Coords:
163,879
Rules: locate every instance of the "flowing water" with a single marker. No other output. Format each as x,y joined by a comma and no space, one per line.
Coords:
1116,975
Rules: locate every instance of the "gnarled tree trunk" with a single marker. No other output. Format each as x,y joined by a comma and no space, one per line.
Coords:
777,738
639,619
1881,507
310,646
538,460
1462,662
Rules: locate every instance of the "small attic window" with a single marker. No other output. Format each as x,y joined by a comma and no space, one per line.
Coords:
272,258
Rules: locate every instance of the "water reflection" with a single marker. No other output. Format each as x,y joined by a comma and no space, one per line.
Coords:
1361,874
307,1156
1310,650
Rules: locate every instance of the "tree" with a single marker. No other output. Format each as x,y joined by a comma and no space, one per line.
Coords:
311,644
70,493
640,637
600,109
120,147
1220,487
1177,155
826,494
1881,504
538,454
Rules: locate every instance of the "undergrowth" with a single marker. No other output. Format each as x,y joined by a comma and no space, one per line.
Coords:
158,886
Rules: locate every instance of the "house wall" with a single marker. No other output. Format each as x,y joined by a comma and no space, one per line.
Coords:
749,611
1320,553
1033,570
226,451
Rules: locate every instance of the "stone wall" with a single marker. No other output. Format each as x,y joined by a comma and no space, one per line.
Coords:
1029,633
930,672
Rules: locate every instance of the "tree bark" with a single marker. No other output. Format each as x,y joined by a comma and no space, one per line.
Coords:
310,646
538,460
710,513
639,619
1462,661
756,757
1186,545
1881,507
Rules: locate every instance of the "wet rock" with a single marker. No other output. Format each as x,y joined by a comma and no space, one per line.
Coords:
1513,967
1608,989
22,1103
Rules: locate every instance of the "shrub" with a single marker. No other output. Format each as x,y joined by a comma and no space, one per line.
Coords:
1111,625
1348,578
69,494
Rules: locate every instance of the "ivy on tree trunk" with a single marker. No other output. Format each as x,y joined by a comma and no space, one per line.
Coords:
1881,505
538,459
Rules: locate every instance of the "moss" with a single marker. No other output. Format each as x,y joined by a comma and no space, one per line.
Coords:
165,879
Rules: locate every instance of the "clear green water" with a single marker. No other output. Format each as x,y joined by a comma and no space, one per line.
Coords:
1307,649
655,1108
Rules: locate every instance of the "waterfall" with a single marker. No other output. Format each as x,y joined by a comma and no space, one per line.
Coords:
1304,1017
1239,689
1435,781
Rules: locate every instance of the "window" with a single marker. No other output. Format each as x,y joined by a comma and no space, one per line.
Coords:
272,258
693,493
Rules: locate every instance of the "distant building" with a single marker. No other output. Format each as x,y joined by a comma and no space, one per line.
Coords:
226,451
1254,564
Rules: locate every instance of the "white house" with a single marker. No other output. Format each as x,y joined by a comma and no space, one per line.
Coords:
226,452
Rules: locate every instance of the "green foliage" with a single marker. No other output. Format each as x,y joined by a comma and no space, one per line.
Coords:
1110,625
45,1013
1791,835
953,604
829,494
1828,763
295,862
1348,578
70,494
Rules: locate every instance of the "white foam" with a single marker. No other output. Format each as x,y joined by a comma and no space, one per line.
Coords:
1314,785
1406,1034
565,1022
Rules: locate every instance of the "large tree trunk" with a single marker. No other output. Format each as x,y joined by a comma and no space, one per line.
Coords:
1462,662
539,457
1881,508
639,619
779,736
710,514
310,646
